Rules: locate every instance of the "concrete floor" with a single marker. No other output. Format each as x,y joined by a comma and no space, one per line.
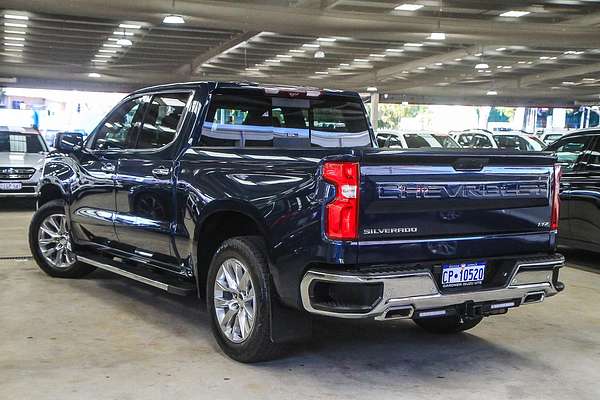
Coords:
105,337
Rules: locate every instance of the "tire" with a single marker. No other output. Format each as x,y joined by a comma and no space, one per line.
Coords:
447,325
42,224
253,343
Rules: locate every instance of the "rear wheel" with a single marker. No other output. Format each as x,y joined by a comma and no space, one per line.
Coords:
238,295
50,243
446,325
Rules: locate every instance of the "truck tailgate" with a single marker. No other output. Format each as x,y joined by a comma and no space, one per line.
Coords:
430,205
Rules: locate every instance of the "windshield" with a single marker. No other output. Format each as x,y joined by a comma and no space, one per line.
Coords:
243,120
21,143
515,142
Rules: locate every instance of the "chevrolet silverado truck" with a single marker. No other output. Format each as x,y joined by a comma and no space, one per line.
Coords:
274,204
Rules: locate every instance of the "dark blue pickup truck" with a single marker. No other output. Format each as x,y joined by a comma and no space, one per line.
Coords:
275,204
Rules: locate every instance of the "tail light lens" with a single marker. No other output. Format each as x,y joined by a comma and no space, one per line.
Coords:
555,198
341,213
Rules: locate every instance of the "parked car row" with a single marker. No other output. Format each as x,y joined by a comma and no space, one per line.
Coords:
471,138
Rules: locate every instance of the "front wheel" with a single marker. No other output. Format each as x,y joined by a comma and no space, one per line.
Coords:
238,295
50,243
447,325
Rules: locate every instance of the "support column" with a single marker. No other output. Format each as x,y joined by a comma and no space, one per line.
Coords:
374,110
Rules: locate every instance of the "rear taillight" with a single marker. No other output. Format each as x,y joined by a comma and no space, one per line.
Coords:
555,198
341,213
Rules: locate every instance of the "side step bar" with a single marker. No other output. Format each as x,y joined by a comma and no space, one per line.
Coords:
149,278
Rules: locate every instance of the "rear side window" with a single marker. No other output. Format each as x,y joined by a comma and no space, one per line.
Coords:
235,120
161,119
414,141
569,150
512,142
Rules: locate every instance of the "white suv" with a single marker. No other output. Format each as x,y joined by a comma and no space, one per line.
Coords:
22,154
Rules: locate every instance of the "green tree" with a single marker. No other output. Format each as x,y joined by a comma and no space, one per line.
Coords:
390,115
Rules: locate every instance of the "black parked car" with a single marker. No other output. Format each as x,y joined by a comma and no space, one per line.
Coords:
579,155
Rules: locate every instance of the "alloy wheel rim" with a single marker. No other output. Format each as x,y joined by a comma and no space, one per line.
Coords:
235,303
54,242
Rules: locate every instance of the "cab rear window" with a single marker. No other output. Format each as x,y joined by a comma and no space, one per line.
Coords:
235,120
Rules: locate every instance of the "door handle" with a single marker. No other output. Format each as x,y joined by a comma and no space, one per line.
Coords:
107,167
161,172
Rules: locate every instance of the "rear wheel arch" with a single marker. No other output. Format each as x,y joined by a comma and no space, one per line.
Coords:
214,229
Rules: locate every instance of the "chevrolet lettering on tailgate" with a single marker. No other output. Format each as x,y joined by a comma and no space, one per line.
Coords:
531,189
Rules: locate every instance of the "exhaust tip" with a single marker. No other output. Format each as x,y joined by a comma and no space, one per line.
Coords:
535,297
399,313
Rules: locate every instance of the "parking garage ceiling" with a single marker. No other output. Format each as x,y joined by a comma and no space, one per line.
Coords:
544,52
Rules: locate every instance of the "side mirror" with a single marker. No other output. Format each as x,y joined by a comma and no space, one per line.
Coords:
67,142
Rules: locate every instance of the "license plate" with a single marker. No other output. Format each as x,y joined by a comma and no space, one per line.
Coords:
11,186
464,274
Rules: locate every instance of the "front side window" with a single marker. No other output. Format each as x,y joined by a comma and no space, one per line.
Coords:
15,142
243,120
119,130
161,120
415,141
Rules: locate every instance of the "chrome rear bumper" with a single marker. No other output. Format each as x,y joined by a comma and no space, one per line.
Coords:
416,294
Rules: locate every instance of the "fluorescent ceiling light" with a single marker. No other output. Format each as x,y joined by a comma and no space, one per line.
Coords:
323,39
408,7
124,42
15,32
103,55
14,44
94,75
507,67
544,58
377,55
311,45
252,69
297,51
437,36
514,13
344,65
110,45
129,26
322,72
413,44
273,60
395,50
18,38
112,39
588,79
439,63
107,51
499,67
283,56
478,54
458,59
15,25
14,16
421,68
492,93
99,61
568,83
173,19
501,49
482,66
522,62
360,60
13,49
371,89
124,33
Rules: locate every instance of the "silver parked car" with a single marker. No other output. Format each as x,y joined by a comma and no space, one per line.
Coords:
22,154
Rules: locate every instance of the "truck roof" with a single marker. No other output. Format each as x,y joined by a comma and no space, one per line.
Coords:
270,88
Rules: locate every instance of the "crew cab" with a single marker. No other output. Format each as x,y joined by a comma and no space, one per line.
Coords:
275,204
